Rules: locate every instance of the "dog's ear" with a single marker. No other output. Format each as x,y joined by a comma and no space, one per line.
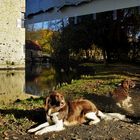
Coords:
61,99
46,103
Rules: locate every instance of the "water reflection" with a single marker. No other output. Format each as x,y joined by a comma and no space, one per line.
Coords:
12,85
42,78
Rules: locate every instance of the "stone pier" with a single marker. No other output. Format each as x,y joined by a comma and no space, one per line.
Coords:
12,34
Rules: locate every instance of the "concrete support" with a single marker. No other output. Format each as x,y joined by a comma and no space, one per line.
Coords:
12,34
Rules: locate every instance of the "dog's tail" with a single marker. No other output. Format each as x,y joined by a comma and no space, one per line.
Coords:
110,116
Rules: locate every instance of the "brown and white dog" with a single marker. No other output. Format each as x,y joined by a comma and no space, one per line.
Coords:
60,113
121,93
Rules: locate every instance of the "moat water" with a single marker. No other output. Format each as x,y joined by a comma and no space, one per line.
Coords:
40,79
36,80
12,85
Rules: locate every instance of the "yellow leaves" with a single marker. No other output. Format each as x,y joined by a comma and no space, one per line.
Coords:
43,37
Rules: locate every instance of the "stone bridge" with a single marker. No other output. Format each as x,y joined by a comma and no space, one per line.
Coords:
42,10
12,12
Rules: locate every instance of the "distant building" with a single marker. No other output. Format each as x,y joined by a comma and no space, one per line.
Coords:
33,51
12,34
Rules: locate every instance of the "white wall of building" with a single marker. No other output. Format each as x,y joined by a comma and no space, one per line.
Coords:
12,34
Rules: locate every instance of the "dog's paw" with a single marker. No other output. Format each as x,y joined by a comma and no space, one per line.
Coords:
39,133
31,130
94,122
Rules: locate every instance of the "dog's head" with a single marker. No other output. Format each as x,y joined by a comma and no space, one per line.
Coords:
54,102
127,84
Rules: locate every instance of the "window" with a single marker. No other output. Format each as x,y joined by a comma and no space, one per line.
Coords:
21,21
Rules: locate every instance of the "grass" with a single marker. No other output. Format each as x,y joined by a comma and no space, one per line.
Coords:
22,114
98,84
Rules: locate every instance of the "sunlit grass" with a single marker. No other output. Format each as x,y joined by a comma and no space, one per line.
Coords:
30,103
98,84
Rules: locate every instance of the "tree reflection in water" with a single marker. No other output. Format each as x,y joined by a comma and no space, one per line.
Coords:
42,78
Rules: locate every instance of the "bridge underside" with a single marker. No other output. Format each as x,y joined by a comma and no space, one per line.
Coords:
39,11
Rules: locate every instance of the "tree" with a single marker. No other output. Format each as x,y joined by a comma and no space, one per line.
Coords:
43,37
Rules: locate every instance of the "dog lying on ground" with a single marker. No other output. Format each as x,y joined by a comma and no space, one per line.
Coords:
60,113
121,93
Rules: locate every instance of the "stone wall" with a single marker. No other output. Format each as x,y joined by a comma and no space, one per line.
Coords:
12,35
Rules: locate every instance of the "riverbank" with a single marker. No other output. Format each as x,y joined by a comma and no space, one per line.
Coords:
17,117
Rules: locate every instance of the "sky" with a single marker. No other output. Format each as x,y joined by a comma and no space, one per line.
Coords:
53,25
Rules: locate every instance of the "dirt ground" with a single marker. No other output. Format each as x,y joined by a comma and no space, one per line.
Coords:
105,130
